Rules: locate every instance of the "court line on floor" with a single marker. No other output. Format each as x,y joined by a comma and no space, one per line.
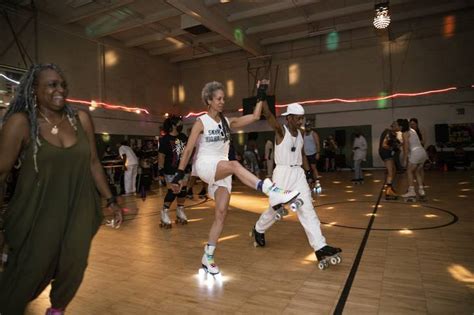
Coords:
350,279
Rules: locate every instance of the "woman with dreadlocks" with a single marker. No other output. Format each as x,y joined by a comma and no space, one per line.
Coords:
55,210
213,166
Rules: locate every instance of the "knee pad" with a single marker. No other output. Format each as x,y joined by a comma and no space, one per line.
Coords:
170,196
183,192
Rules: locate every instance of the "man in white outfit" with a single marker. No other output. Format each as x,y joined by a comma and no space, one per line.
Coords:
130,161
359,149
290,175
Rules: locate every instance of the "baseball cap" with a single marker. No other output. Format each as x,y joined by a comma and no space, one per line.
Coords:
294,109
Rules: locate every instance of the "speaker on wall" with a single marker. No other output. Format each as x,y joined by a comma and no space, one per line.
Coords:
442,133
340,137
248,105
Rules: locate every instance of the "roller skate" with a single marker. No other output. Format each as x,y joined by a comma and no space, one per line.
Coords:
181,216
190,194
54,311
421,194
317,188
207,261
410,195
328,255
259,238
280,213
279,197
203,193
165,219
390,193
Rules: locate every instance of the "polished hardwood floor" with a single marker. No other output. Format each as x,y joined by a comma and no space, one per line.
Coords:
418,258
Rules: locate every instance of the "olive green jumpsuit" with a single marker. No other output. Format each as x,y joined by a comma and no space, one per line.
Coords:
49,225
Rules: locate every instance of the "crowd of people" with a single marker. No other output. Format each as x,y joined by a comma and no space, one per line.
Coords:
53,146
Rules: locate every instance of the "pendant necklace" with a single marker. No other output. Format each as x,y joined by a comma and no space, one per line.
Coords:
293,147
55,128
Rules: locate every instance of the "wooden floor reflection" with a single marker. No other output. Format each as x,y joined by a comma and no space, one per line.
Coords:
418,258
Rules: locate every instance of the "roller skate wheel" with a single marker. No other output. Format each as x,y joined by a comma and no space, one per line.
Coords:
255,244
333,260
278,217
339,259
321,265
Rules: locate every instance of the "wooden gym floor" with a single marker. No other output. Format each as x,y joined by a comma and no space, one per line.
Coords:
398,258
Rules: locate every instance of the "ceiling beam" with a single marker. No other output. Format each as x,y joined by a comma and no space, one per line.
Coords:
272,8
199,12
447,7
207,54
142,40
331,14
178,45
93,10
137,22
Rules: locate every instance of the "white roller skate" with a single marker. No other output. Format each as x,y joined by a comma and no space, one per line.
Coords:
181,216
328,255
410,195
207,260
421,194
317,188
279,197
165,221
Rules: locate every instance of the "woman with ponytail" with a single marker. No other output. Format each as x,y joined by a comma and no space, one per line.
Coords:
213,166
55,210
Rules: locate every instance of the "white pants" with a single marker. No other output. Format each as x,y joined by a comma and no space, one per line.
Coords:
294,178
206,170
130,179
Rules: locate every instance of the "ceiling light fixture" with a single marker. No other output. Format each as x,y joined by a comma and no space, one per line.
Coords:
382,18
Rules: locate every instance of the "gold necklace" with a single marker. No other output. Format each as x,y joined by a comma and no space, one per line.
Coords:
55,128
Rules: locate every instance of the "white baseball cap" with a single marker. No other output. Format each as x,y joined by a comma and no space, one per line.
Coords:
294,109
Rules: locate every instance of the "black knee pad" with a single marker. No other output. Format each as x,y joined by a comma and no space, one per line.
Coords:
170,196
183,193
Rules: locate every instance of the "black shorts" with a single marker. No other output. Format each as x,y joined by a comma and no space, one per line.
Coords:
386,155
312,158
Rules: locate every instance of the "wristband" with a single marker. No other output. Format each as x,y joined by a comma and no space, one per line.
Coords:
178,176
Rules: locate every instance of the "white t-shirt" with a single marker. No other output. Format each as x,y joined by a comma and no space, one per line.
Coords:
131,157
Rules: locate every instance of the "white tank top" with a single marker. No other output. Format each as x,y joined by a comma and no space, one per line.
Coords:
309,144
212,141
283,153
414,141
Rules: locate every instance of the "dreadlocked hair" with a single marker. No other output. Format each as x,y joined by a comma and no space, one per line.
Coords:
206,95
24,101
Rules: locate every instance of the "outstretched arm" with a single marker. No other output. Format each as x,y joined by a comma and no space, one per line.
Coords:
273,122
237,122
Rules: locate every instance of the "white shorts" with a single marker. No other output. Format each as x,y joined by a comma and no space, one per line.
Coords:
205,168
417,156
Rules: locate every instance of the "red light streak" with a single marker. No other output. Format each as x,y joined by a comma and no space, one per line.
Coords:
109,106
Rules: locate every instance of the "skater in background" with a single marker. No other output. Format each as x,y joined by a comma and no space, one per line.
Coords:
330,149
359,151
55,210
213,166
388,145
312,148
130,161
414,125
289,174
171,148
415,157
269,157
